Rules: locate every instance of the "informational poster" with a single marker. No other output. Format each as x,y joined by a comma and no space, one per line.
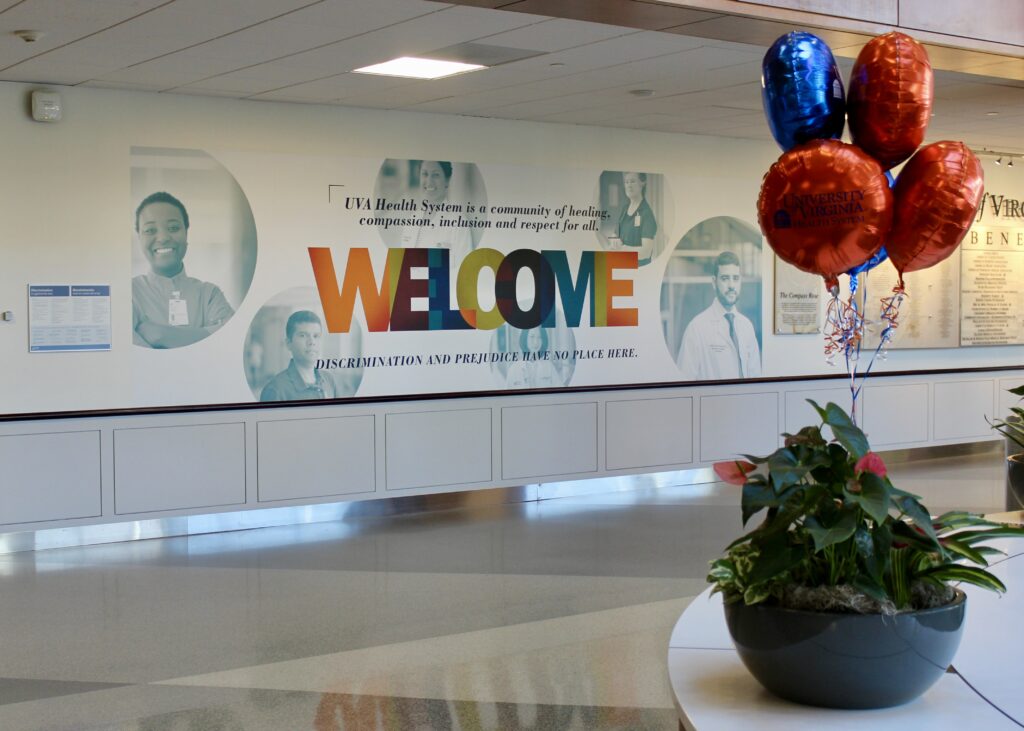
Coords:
929,316
797,300
992,286
292,277
68,317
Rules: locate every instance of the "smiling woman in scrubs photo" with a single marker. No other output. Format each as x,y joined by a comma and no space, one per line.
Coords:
169,308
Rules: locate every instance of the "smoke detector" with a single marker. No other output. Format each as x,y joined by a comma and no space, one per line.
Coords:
29,36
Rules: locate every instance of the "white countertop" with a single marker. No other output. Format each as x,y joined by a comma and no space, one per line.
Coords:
713,690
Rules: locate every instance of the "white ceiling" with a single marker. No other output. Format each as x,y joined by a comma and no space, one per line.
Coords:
704,68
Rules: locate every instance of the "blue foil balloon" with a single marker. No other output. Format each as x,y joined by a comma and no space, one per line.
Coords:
802,91
877,258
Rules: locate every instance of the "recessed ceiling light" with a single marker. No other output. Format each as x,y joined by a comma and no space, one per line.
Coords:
991,114
410,67
642,92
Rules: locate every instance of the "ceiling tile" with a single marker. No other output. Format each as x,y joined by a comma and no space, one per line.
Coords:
557,35
332,88
628,13
704,73
62,22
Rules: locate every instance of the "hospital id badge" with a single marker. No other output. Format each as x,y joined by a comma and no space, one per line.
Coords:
636,221
177,310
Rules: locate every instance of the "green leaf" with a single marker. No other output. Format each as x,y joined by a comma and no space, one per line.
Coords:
964,550
960,519
846,432
903,532
784,469
968,574
873,547
821,411
756,497
776,556
970,537
989,551
897,492
1018,391
722,571
916,512
874,496
756,594
755,460
809,436
827,535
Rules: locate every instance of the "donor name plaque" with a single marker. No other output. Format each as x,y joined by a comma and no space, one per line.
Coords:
992,287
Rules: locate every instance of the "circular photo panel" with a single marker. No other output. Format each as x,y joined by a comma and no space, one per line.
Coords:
541,357
639,210
711,301
194,249
290,356
437,202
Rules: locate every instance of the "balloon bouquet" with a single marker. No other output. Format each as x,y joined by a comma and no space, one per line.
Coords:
833,208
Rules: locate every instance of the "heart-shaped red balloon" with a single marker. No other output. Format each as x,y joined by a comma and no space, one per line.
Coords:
936,198
889,101
825,207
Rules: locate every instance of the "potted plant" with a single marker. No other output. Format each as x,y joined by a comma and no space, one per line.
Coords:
1013,429
843,595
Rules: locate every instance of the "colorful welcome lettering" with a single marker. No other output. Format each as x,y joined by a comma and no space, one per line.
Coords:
388,302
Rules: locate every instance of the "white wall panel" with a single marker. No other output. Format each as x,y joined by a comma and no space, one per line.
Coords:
990,20
799,413
554,439
875,11
960,409
310,458
179,467
648,433
49,476
430,448
743,423
896,415
1005,399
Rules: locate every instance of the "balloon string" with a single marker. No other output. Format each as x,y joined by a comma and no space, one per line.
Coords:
842,328
844,332
889,318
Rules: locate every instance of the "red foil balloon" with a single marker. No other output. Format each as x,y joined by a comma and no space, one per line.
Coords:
825,207
936,198
890,98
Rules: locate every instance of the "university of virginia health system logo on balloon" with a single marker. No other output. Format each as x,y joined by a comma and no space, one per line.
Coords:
389,301
826,206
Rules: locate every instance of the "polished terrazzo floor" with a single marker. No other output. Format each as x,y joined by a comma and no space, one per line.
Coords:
544,615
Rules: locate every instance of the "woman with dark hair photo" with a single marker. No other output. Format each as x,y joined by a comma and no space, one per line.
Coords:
169,308
435,178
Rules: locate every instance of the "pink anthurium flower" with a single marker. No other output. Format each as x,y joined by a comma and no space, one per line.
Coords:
871,462
734,472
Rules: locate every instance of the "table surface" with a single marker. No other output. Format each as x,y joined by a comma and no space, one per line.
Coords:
714,691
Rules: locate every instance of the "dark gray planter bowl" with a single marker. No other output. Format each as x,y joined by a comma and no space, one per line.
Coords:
1015,482
846,660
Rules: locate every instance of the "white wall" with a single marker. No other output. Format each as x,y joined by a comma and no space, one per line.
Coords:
65,203
64,200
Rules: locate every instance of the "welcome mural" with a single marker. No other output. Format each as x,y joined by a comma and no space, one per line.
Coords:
294,278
